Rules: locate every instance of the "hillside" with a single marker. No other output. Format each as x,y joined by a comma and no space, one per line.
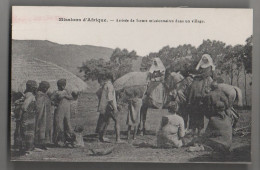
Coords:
68,56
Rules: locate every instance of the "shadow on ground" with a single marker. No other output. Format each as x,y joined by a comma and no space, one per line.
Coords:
239,154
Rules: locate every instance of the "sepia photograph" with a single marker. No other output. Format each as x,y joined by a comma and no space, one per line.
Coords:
120,84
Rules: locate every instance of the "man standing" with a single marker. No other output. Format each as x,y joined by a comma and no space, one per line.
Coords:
108,107
99,94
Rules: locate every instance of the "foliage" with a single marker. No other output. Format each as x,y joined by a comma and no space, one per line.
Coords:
174,59
119,64
232,64
230,61
247,60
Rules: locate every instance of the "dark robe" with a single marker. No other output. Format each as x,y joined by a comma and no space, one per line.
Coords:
44,119
198,90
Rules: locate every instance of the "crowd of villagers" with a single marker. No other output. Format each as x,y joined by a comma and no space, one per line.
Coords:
36,128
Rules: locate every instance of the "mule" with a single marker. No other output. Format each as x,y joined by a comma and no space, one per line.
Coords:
168,85
180,93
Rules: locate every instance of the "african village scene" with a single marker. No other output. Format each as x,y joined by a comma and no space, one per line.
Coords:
130,92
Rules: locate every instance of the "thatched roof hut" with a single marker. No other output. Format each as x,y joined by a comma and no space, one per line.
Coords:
24,69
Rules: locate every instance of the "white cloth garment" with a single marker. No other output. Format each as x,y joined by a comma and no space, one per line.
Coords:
203,64
157,67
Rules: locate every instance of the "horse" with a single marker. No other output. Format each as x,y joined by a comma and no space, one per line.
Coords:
167,85
181,89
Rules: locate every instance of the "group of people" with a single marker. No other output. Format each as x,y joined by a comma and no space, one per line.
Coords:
204,99
42,118
108,108
36,126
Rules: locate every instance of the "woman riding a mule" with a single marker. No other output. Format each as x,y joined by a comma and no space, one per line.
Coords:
199,88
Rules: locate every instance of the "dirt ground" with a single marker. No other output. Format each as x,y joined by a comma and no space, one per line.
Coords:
143,149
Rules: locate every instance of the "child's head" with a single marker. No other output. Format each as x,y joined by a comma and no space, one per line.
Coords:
44,86
173,107
109,77
61,84
135,93
78,129
31,86
75,95
101,79
214,85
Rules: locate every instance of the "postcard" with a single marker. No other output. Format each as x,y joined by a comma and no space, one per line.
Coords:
117,84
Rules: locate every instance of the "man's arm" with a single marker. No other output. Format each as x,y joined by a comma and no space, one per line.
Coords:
111,96
27,102
65,94
224,99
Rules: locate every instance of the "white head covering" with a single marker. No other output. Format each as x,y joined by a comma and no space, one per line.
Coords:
159,66
202,64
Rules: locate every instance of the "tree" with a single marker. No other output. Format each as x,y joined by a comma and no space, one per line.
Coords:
120,63
247,61
174,59
248,54
231,64
94,68
216,49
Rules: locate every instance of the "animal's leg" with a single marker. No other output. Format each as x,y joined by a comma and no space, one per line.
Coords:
144,110
139,128
128,132
235,116
134,135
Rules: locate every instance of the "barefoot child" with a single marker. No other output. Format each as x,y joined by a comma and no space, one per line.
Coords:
133,116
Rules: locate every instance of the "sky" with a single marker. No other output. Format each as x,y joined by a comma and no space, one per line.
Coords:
232,26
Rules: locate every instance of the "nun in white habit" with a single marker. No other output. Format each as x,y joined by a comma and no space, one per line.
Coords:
157,70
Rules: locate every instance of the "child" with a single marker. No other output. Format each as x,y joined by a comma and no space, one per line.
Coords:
172,130
43,123
133,116
62,130
25,119
79,142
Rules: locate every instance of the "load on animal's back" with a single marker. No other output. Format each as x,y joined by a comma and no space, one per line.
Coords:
151,84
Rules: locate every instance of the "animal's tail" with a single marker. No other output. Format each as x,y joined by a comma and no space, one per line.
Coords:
239,97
